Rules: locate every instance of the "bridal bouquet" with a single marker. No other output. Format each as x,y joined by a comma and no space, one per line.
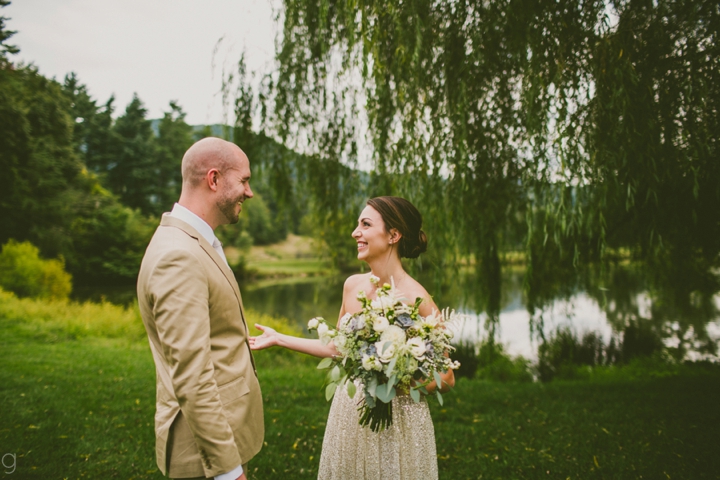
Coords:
387,347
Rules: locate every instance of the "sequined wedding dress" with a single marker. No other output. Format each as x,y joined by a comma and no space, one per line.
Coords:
404,451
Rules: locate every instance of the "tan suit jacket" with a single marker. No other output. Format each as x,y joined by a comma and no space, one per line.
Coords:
209,416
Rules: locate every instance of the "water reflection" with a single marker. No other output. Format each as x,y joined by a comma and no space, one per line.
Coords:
677,307
608,301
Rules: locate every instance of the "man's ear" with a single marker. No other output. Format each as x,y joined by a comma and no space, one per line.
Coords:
212,177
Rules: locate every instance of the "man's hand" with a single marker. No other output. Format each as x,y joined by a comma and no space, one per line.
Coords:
269,338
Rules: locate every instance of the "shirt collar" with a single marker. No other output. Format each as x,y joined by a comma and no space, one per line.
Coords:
182,213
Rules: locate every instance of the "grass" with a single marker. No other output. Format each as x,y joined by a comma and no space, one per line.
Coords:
294,256
81,406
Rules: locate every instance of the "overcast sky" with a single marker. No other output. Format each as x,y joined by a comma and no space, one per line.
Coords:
161,49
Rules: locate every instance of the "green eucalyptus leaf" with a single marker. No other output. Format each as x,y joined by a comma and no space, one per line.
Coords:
391,366
351,389
437,378
372,387
325,363
415,394
385,392
330,391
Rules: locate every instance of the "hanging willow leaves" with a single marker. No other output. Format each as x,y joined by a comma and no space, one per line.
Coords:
560,127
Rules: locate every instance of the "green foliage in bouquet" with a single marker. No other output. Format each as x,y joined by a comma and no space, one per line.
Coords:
387,347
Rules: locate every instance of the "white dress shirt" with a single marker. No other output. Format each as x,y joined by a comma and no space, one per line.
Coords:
182,213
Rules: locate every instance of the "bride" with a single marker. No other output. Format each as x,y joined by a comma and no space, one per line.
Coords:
389,228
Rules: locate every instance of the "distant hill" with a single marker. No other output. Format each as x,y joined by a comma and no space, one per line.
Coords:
217,129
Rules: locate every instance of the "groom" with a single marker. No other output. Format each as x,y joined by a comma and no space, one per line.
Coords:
209,418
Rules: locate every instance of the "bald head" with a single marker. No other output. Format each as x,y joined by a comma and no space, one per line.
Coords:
207,154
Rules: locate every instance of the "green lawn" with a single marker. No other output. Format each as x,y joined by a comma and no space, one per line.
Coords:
83,408
290,267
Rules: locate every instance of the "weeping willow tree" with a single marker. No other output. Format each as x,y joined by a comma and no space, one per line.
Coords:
569,129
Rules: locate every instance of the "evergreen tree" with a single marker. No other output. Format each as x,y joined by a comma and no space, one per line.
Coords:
133,173
5,34
174,138
96,141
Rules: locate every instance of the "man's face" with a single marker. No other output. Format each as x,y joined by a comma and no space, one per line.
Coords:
234,190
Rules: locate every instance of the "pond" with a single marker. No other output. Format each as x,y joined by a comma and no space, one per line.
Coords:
604,310
607,302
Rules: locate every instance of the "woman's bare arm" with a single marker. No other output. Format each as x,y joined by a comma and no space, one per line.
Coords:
271,338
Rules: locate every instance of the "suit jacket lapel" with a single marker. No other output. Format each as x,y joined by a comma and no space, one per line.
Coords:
214,255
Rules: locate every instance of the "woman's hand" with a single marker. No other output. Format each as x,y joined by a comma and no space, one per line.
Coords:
269,338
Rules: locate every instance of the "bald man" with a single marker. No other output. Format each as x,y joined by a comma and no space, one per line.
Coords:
209,418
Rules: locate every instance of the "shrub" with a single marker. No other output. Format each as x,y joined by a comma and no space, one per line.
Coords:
59,318
563,355
489,360
24,273
496,364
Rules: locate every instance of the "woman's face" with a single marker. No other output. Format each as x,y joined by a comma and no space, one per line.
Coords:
372,239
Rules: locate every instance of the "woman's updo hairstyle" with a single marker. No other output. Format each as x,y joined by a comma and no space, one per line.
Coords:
402,215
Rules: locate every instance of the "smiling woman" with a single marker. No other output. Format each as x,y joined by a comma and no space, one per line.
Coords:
388,228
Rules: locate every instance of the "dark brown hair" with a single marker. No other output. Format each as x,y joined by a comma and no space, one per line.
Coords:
402,215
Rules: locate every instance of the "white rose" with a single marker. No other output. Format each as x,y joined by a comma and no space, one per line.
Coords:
313,323
371,363
386,350
324,333
380,324
393,334
340,341
417,347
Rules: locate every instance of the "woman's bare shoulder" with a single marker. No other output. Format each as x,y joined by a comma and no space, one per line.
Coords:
415,290
354,280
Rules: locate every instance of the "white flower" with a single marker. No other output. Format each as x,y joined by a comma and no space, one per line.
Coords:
341,343
313,323
345,319
393,334
386,350
431,320
374,280
383,302
380,324
371,363
361,321
417,347
325,333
